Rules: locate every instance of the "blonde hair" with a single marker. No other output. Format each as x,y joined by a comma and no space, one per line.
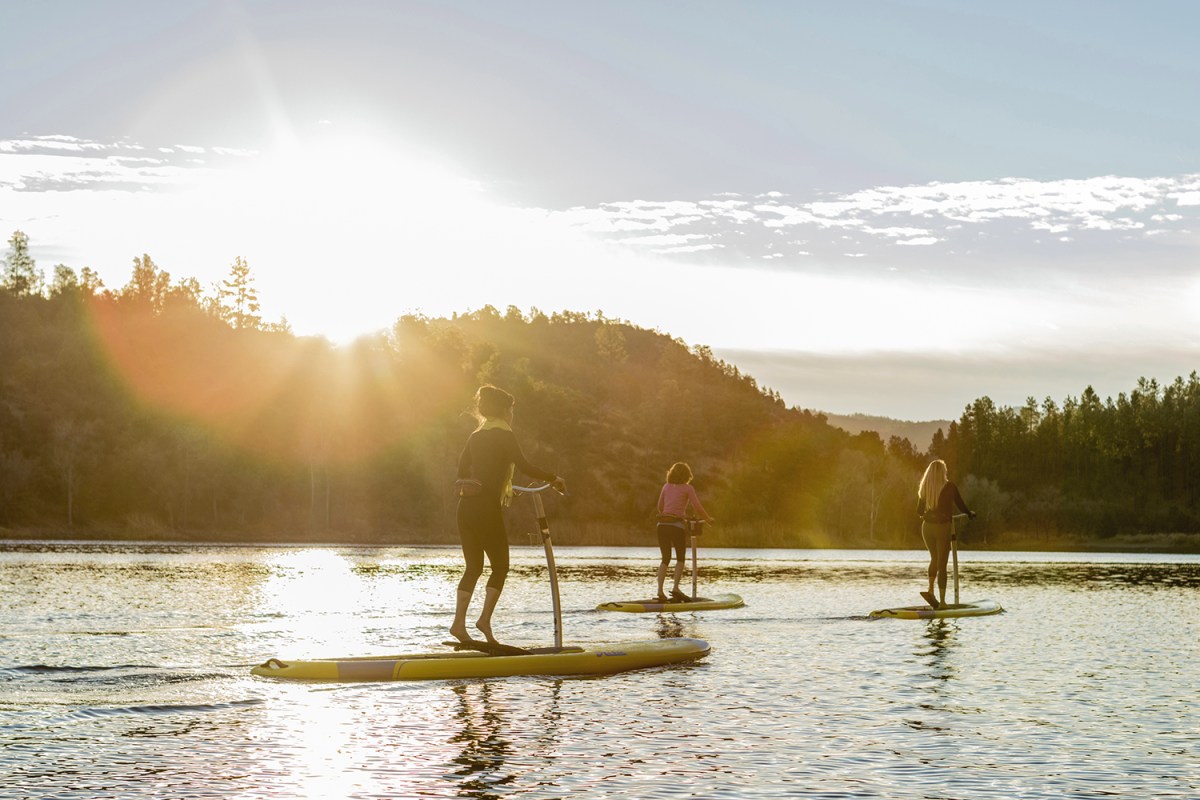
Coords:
932,483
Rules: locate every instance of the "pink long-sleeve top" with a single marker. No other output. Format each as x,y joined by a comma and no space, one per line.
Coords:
675,499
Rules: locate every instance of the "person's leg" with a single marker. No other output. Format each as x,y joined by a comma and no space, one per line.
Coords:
458,628
664,549
943,538
484,623
929,536
496,546
931,545
679,542
472,548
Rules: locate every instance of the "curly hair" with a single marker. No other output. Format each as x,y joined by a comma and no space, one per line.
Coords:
679,473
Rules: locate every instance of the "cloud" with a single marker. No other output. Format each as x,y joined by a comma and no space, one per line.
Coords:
919,387
977,220
691,248
65,164
951,225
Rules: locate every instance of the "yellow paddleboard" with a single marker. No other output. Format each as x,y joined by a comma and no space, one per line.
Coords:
980,609
598,659
699,604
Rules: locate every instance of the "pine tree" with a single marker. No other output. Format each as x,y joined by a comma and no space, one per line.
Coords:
237,299
148,285
21,275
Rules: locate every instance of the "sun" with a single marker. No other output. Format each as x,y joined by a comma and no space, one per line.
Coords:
348,230
348,178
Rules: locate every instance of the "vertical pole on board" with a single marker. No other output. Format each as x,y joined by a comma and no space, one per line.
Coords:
540,511
954,550
694,566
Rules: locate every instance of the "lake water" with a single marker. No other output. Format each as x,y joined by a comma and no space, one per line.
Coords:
124,673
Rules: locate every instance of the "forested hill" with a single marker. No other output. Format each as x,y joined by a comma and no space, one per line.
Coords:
156,411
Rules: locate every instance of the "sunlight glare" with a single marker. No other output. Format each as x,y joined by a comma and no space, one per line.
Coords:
344,604
346,232
316,592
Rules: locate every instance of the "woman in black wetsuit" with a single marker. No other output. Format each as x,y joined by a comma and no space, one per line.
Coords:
937,497
486,466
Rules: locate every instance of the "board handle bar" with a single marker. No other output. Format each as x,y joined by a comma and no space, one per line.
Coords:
530,489
534,490
539,511
954,551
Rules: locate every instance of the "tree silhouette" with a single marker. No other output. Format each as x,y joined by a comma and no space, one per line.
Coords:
238,299
21,275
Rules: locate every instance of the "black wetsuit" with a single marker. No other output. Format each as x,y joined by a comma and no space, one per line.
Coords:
487,457
936,529
942,511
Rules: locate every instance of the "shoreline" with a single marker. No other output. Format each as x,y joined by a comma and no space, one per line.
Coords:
1164,543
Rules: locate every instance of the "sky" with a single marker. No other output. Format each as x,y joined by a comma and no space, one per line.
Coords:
889,208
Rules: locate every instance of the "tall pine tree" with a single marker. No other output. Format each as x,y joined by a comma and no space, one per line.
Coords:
237,299
21,275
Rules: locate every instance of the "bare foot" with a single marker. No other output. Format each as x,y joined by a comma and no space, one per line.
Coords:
460,632
486,629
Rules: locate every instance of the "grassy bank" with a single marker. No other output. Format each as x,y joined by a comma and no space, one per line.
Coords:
1123,543
609,535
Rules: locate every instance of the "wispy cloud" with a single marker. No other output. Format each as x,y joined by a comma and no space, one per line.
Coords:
957,220
66,163
929,227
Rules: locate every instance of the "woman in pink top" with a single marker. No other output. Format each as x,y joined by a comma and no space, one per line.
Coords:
673,501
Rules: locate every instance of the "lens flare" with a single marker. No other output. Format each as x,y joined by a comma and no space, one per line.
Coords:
275,396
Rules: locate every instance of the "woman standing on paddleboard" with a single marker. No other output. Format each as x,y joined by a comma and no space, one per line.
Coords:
673,501
484,487
936,498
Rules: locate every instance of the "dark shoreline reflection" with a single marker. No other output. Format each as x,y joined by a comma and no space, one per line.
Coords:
245,569
1098,574
1082,576
1091,575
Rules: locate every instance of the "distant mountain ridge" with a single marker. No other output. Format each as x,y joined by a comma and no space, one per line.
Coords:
919,433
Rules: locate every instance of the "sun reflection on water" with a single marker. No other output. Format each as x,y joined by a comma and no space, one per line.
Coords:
334,604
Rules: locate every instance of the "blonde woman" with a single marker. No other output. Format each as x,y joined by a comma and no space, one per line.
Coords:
937,497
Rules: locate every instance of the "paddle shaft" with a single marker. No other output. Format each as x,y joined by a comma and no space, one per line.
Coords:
544,525
954,551
694,538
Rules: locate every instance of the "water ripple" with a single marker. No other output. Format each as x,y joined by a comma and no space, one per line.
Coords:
1083,689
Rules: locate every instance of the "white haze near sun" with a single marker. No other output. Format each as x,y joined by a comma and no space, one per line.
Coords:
345,234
